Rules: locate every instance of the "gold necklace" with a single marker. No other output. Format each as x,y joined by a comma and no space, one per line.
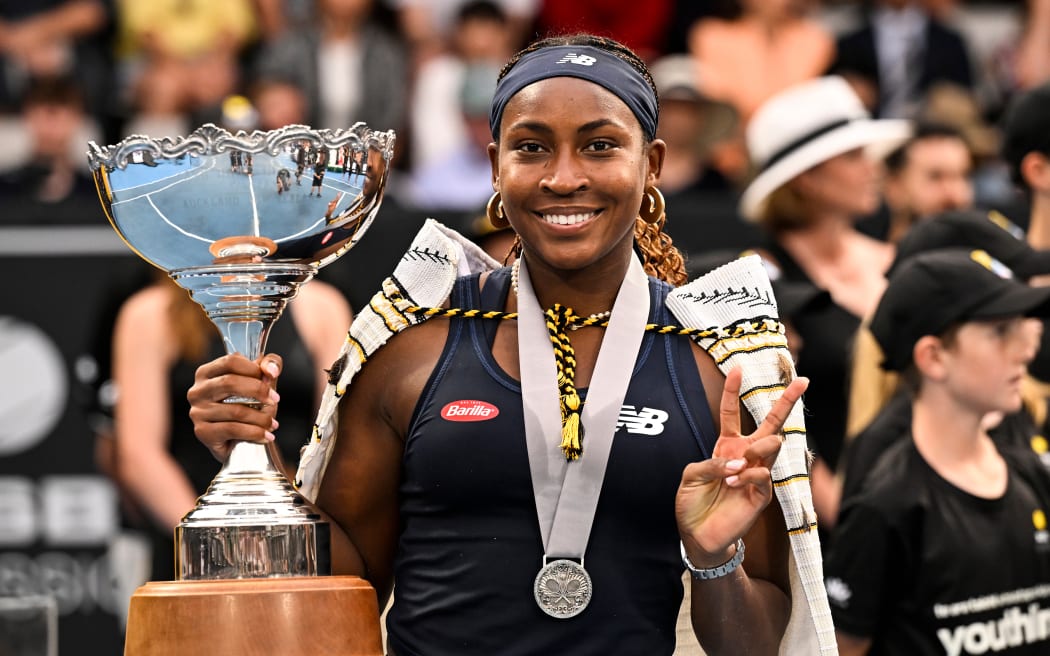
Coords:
577,322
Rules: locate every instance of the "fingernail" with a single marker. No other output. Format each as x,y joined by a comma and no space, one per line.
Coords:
732,480
270,437
274,396
274,425
271,368
735,465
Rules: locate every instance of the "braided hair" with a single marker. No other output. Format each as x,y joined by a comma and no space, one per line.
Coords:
660,258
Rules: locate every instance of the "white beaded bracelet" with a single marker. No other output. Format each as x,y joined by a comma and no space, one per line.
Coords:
715,572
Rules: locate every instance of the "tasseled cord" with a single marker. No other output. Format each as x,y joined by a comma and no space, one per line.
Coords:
558,318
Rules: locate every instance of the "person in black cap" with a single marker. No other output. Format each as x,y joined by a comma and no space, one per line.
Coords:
949,517
1026,150
991,231
879,407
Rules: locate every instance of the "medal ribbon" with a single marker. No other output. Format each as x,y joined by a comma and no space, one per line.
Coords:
567,494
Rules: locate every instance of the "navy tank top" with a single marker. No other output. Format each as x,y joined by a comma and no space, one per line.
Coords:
470,545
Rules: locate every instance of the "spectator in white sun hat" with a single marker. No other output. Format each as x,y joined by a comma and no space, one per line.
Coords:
805,126
814,148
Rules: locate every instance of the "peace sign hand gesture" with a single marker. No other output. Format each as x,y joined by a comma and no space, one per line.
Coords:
720,498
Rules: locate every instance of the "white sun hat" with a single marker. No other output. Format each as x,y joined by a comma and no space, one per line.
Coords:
805,125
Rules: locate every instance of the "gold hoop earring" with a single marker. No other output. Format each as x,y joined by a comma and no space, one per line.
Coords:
654,213
494,211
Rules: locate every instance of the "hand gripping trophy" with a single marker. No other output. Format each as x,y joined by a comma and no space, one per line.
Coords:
217,212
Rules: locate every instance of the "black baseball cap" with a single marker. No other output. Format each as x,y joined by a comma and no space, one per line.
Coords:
988,231
793,296
1026,128
931,291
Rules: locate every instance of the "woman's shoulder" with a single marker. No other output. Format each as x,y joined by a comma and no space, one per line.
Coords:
812,30
895,479
425,340
415,349
144,319
154,296
874,251
319,296
709,37
392,380
146,306
714,25
322,316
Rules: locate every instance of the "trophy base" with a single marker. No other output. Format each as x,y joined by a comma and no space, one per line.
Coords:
265,617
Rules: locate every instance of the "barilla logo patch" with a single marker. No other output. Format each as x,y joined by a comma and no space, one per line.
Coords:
469,410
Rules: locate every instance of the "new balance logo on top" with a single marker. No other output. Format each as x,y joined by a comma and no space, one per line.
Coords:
573,58
647,421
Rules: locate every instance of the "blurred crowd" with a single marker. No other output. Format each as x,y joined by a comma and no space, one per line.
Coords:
76,70
743,84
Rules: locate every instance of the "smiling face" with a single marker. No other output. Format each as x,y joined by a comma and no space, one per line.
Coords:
572,164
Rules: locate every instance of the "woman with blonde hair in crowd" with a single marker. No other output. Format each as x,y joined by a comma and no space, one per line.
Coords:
815,150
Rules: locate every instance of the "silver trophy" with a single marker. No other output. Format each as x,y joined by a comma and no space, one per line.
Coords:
241,221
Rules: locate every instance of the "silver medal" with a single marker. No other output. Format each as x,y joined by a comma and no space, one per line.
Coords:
567,495
563,589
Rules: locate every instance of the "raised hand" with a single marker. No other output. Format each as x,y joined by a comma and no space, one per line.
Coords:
719,499
218,425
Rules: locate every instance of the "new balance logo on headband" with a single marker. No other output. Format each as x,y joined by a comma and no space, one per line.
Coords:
582,60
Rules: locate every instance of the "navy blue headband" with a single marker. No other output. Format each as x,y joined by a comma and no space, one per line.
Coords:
585,62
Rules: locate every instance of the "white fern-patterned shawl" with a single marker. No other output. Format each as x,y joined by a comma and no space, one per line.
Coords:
739,294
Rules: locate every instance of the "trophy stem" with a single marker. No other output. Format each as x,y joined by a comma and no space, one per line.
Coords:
251,522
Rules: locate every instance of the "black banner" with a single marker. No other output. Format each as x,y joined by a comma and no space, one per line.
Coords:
60,529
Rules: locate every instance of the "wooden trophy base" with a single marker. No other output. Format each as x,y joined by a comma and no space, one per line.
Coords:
281,616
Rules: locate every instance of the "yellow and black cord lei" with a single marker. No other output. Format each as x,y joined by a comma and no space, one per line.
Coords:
559,319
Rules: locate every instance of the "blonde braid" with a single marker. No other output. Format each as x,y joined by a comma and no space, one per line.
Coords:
660,258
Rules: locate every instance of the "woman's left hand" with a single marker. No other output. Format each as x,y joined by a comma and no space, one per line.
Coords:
720,498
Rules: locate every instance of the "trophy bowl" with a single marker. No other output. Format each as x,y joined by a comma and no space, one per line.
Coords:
241,221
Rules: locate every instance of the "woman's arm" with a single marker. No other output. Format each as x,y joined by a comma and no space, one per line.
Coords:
746,611
1033,53
360,488
143,353
726,497
322,316
359,494
850,645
